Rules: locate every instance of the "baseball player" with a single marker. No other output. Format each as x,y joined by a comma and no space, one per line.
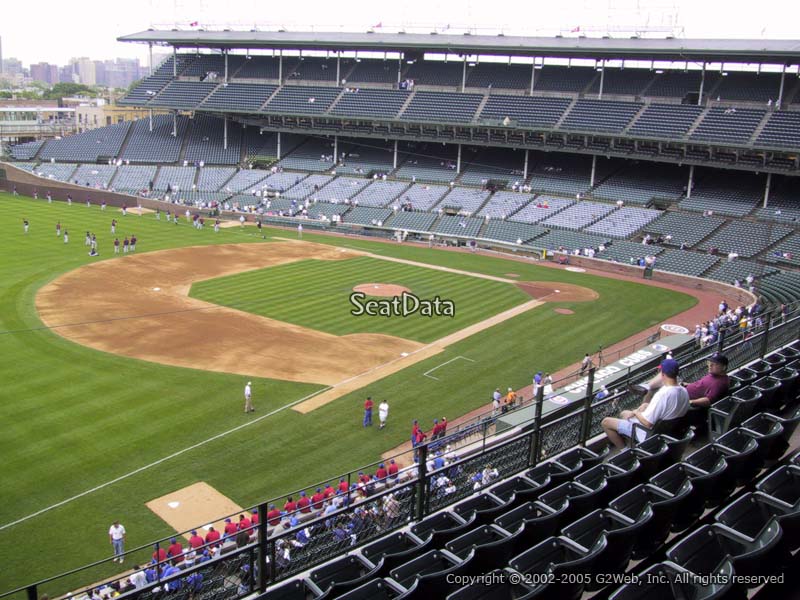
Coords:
248,402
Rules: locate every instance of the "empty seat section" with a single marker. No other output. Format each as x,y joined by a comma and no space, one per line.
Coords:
239,97
440,106
158,145
370,103
728,125
183,94
504,204
525,111
303,100
102,143
466,200
600,115
624,222
666,121
206,141
380,193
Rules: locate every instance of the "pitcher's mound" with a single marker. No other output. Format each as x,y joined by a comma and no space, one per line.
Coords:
193,507
381,289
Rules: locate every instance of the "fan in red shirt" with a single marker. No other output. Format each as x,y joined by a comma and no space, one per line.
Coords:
316,499
381,473
436,429
329,491
363,478
368,412
160,555
175,551
443,427
290,506
195,541
212,535
230,528
343,487
304,504
273,515
244,523
254,517
392,469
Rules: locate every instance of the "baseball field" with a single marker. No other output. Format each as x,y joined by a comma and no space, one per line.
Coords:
123,375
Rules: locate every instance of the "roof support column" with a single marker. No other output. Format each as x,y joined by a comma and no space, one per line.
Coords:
594,170
335,150
394,158
225,133
175,124
458,160
766,189
174,61
602,78
280,67
225,52
151,120
151,57
464,74
399,66
338,67
279,145
525,167
702,84
533,75
690,185
780,89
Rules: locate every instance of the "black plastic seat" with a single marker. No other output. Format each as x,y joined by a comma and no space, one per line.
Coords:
731,411
628,462
441,528
534,521
616,480
549,474
768,433
663,506
761,368
377,589
783,485
771,398
520,489
677,445
559,556
653,455
481,509
691,506
580,499
428,574
394,550
501,588
789,379
741,454
577,460
297,589
711,462
789,353
668,581
752,512
491,547
344,574
789,424
742,378
775,360
620,533
705,548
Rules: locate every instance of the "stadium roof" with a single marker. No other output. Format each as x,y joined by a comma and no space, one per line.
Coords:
709,50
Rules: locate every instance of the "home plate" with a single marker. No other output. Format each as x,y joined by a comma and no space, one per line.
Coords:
173,504
156,289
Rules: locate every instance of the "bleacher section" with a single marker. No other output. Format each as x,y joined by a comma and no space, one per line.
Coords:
500,165
685,262
175,178
676,84
782,130
318,68
422,196
366,158
629,82
560,174
504,204
442,107
212,179
458,226
525,110
203,63
367,215
245,179
239,97
380,193
732,193
624,222
541,208
303,100
91,146
666,120
728,271
134,178
157,146
59,172
25,166
787,251
306,187
412,221
278,182
428,163
735,125
183,94
435,73
498,76
314,154
685,228
206,141
370,103
27,150
600,115
373,71
511,232
95,176
326,210
579,215
628,252
262,67
571,80
568,240
150,86
746,239
640,183
781,288
749,87
466,200
340,190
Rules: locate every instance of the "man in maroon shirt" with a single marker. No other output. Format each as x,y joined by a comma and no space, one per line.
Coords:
212,535
711,387
230,528
290,506
244,523
273,515
303,503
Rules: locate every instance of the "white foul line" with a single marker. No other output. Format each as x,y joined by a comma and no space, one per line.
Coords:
161,460
425,374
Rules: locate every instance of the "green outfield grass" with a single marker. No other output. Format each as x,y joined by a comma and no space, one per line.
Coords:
75,418
315,294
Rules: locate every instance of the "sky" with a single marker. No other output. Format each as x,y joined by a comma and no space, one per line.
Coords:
58,30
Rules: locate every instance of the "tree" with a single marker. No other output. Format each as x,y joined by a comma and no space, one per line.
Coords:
62,90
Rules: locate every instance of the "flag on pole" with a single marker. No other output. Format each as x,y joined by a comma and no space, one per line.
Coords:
575,29
378,25
193,24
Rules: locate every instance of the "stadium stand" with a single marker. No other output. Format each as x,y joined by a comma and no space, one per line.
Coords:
571,80
95,176
325,210
373,71
150,86
367,215
729,271
371,157
627,82
431,72
370,103
421,196
458,226
579,215
504,204
499,76
183,94
206,143
428,163
568,240
158,145
499,165
91,146
134,178
466,200
313,68
212,179
733,194
684,228
600,115
745,238
531,111
263,67
442,107
315,154
560,174
412,221
748,87
340,189
627,252
198,198
25,166
640,183
175,178
306,187
58,171
665,121
278,182
677,84
236,97
782,130
735,125
511,232
245,180
380,193
302,100
685,262
541,208
26,151
624,222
